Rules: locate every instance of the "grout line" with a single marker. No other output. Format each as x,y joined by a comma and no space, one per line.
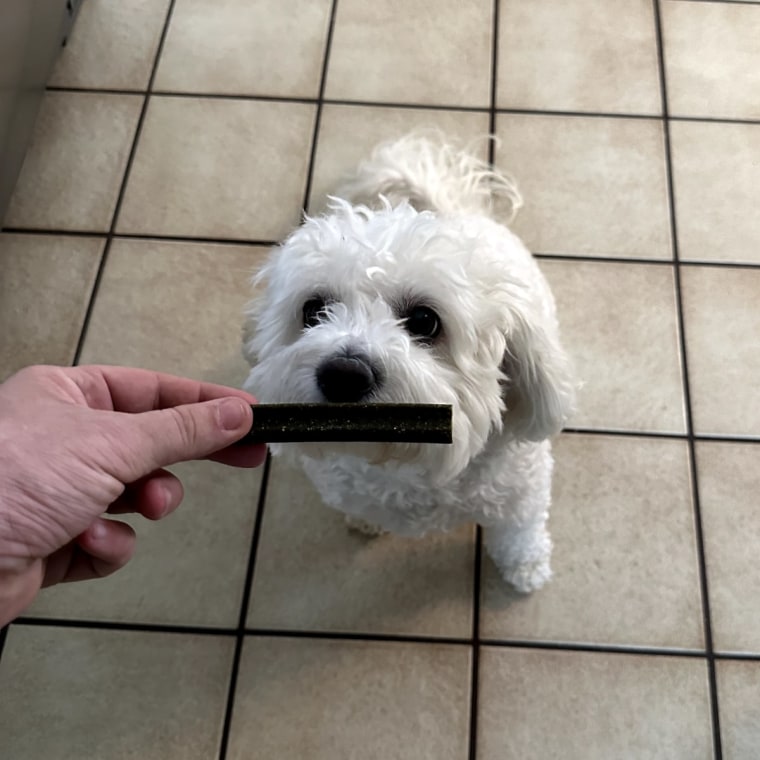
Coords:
245,602
604,259
737,656
708,438
231,96
607,259
571,646
242,631
725,2
109,625
579,114
320,104
408,106
94,90
544,256
697,512
387,638
193,240
625,433
198,240
641,116
476,640
122,190
494,82
416,106
491,161
69,233
720,264
475,653
622,649
717,119
698,437
376,638
146,236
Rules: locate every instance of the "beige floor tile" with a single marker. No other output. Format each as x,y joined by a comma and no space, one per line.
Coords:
592,186
578,55
174,307
188,569
219,168
712,59
74,693
347,135
739,703
716,173
412,52
619,325
722,324
73,170
44,292
583,706
728,477
625,562
241,47
340,699
312,573
112,45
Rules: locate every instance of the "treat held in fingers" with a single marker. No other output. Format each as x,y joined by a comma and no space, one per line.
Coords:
378,423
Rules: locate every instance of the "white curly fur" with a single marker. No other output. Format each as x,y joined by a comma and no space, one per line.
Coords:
432,175
412,226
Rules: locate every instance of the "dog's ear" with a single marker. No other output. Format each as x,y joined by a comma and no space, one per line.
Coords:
539,389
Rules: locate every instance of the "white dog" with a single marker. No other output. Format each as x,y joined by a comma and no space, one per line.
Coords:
406,291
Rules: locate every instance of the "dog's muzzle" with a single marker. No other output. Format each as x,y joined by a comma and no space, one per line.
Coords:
347,378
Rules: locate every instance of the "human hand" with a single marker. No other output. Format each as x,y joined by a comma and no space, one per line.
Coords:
79,442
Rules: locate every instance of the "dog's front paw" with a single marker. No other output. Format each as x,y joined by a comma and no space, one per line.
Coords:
357,525
528,576
522,556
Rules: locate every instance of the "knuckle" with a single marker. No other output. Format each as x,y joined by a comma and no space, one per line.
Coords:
34,373
186,426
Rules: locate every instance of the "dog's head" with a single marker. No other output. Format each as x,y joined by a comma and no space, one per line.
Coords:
402,306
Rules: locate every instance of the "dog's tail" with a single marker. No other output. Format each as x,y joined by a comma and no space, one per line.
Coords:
432,174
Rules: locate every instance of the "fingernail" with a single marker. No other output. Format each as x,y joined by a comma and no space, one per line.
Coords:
232,414
167,499
97,530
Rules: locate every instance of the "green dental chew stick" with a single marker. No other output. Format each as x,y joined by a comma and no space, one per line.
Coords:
378,423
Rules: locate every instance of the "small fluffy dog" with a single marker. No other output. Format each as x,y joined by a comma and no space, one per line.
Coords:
407,291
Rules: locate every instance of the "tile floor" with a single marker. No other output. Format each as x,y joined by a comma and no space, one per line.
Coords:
178,139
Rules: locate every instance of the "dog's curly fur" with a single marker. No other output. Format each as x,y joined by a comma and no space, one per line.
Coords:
414,226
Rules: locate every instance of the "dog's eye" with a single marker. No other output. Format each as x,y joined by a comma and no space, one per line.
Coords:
313,311
423,322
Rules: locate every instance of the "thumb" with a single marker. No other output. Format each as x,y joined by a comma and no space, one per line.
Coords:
192,431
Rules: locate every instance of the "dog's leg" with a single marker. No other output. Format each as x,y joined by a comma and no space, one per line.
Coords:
521,552
357,525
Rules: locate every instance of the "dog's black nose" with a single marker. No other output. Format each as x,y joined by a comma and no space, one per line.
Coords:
344,379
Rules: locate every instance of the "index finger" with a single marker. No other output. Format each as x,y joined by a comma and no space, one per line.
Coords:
127,389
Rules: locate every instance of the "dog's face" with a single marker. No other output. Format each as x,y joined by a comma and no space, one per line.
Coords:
405,307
